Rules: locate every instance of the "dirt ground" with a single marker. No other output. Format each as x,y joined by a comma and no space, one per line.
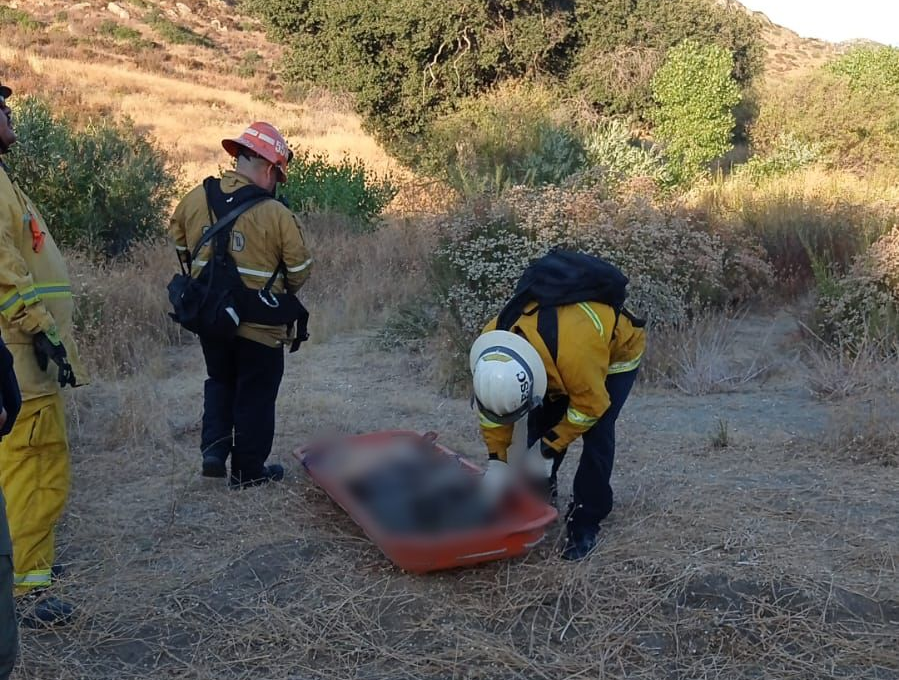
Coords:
774,556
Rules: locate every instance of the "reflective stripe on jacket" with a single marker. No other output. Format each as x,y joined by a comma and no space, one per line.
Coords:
262,238
35,291
588,351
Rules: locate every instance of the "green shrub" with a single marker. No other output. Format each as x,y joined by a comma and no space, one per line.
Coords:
101,189
513,136
789,154
19,19
175,34
249,64
870,70
696,95
111,29
348,188
611,147
616,81
854,128
624,42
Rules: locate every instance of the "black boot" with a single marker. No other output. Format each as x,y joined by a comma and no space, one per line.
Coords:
214,466
37,612
270,473
581,542
582,533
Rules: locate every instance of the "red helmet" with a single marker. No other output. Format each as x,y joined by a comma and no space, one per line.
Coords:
264,140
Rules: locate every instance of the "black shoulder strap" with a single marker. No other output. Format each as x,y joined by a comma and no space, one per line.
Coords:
220,202
548,328
225,222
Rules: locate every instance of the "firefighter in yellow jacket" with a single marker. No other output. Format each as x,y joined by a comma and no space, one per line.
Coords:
267,245
36,321
578,392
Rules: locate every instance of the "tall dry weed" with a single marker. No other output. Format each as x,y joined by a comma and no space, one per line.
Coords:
812,217
359,278
121,309
699,357
839,370
866,430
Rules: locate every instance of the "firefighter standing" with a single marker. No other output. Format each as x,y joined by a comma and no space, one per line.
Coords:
10,404
245,373
579,393
36,321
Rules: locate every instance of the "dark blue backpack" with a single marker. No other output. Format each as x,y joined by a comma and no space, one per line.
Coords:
564,277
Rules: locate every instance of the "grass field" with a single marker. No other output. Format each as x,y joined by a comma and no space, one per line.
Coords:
755,533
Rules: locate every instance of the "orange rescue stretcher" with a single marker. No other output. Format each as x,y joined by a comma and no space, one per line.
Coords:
520,523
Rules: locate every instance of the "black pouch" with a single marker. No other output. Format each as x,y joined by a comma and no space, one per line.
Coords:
274,309
203,305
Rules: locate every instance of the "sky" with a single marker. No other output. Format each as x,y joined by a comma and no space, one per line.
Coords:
835,20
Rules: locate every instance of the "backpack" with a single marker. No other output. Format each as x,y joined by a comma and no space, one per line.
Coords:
215,302
563,277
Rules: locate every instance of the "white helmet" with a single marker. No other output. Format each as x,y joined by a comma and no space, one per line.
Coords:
509,376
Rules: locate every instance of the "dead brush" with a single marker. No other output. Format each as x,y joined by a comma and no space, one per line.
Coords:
699,358
357,279
121,309
868,431
841,370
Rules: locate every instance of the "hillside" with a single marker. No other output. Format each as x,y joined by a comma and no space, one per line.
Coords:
190,72
194,71
788,53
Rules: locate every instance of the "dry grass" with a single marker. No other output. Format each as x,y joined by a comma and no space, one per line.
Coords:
701,358
122,310
865,430
358,279
812,214
761,561
188,118
863,383
835,372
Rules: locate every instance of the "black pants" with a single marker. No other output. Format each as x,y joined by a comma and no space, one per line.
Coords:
239,403
593,495
9,627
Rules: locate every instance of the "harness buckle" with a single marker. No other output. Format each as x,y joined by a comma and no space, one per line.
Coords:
268,299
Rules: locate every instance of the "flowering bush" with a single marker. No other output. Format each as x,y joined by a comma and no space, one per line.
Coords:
863,305
676,267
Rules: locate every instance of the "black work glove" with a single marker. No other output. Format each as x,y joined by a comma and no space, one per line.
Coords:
48,347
